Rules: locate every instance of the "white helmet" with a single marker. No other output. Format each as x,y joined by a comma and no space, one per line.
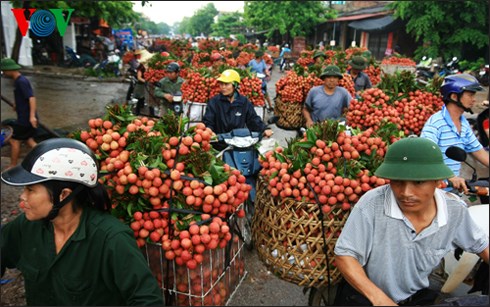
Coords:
55,159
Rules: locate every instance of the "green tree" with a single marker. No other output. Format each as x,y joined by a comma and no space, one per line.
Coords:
183,26
154,28
293,18
445,27
202,20
163,28
228,23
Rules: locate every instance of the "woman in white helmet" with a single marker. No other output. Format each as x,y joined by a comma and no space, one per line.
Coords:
68,246
230,110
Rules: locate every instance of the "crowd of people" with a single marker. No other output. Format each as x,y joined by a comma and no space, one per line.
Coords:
393,239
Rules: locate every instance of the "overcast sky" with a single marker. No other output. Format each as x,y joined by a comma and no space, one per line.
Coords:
174,11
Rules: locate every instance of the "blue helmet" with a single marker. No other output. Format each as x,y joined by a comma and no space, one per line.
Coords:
458,84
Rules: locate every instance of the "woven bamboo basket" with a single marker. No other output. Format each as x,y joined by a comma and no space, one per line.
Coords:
288,236
290,114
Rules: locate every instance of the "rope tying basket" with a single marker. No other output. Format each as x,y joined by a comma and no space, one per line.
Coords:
288,238
290,114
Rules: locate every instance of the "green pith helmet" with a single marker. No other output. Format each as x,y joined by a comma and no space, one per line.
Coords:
317,54
9,64
358,62
331,70
367,54
414,159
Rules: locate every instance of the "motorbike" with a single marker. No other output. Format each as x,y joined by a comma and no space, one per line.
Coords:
477,126
451,68
459,264
112,64
425,69
40,54
242,154
72,59
6,134
483,75
177,106
263,79
132,80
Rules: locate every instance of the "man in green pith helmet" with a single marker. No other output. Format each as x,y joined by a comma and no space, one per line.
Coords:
327,101
398,233
26,108
360,78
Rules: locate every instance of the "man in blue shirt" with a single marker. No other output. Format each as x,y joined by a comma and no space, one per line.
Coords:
449,127
25,106
259,67
285,51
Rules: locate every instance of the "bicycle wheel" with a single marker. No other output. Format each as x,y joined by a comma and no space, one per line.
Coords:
321,296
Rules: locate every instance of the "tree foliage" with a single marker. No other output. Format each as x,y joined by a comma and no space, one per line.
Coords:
228,23
296,18
153,28
202,20
183,26
445,27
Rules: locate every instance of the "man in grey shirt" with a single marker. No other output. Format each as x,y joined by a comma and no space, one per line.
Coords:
398,233
328,101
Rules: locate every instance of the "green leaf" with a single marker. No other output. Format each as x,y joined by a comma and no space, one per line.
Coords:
305,144
311,136
129,209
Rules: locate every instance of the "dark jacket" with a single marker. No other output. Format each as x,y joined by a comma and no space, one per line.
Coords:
221,116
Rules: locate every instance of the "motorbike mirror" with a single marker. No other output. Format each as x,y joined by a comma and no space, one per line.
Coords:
456,153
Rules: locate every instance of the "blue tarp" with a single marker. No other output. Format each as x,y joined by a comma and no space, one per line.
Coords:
124,38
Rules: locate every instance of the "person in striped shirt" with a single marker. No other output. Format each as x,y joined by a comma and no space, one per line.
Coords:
449,127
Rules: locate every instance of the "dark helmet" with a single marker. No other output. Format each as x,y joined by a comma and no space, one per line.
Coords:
173,67
55,159
458,84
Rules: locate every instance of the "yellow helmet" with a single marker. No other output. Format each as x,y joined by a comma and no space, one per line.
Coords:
229,76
